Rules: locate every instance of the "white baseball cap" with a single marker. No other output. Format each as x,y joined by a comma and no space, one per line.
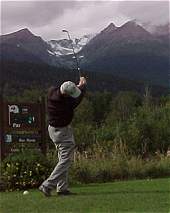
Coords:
70,89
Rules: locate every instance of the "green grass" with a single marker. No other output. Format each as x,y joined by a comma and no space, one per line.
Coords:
125,196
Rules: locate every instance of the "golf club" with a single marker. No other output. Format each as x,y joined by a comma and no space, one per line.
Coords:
75,56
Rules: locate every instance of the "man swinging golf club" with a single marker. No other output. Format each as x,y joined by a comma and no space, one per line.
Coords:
61,104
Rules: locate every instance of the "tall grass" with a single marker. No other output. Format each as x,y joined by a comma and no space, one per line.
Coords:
100,164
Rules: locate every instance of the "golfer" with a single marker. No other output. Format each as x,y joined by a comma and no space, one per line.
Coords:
61,104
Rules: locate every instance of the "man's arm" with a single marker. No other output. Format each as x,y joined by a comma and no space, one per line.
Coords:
82,87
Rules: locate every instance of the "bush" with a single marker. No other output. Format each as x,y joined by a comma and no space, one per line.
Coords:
148,131
84,136
30,169
25,170
81,173
89,169
145,132
157,168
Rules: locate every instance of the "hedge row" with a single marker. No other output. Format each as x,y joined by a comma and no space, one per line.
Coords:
29,169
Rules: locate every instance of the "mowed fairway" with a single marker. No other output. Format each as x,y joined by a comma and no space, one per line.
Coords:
126,196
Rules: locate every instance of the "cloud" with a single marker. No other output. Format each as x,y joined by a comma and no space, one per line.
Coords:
84,18
90,18
48,18
155,12
31,13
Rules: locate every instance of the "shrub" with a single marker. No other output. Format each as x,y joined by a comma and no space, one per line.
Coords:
145,132
157,168
80,172
84,136
30,169
91,168
25,170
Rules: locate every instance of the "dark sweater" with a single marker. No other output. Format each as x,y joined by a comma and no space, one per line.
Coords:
61,108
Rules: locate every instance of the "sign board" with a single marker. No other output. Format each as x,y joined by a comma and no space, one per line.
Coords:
22,138
22,125
22,116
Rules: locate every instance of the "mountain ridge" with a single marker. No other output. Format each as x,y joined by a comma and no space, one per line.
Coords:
125,51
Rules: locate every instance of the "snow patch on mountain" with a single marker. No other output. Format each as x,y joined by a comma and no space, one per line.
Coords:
64,46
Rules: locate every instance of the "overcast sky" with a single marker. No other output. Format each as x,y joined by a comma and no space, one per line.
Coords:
48,18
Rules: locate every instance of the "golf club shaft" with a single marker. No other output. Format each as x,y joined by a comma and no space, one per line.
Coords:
77,63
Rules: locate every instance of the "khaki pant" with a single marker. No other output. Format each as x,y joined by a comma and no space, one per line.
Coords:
64,141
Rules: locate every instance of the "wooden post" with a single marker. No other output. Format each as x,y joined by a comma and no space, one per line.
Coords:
2,140
43,126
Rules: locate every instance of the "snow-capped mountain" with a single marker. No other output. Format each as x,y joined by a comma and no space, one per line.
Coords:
64,46
23,45
126,51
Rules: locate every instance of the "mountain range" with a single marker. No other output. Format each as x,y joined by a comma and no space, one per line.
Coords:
128,51
25,46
